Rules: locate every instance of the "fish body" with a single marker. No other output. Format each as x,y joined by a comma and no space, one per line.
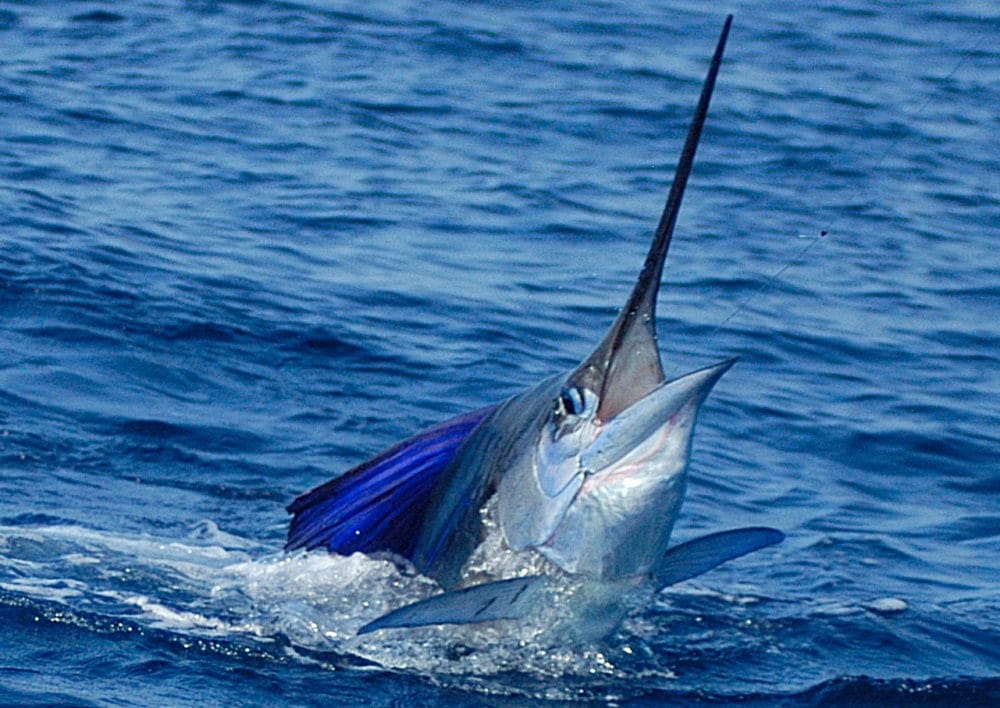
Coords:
454,526
581,476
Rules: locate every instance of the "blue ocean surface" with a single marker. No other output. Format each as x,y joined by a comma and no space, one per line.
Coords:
246,245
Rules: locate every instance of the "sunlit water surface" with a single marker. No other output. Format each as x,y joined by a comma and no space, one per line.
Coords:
247,245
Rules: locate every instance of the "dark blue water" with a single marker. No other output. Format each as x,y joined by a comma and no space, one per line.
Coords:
247,245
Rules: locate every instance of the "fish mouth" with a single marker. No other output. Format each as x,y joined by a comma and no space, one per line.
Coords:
663,418
673,401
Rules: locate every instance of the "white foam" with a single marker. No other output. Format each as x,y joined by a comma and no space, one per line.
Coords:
214,584
47,589
887,605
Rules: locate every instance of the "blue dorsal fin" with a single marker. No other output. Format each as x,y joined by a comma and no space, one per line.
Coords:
379,505
699,555
501,599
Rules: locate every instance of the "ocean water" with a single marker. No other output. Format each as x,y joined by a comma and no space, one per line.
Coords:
246,245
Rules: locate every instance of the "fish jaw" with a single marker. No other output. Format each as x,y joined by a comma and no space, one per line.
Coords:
619,522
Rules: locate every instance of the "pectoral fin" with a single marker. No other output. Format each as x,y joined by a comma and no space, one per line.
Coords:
699,555
503,599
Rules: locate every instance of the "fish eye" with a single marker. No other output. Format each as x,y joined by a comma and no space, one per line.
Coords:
571,401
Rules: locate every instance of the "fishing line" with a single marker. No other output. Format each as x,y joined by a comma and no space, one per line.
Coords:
798,258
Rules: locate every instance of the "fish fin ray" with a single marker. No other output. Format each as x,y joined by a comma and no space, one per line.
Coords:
699,555
380,504
498,600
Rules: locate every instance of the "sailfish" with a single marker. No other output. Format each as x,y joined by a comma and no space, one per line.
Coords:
582,475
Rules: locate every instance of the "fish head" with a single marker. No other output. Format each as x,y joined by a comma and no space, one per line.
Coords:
597,489
629,483
601,489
